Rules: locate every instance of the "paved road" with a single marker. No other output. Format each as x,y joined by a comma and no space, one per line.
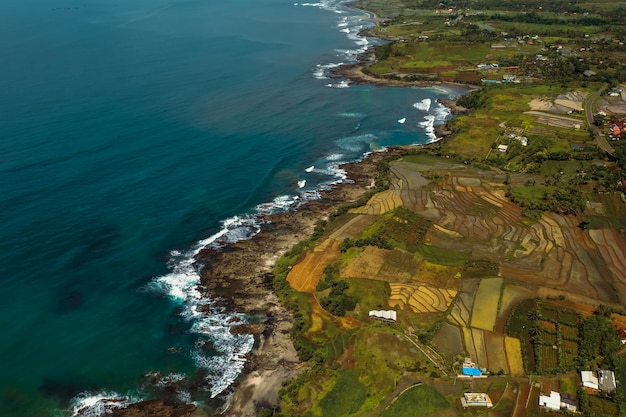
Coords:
600,139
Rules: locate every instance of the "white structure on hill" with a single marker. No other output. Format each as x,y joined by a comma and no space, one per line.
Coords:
386,315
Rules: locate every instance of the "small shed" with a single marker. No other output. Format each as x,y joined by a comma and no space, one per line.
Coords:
503,148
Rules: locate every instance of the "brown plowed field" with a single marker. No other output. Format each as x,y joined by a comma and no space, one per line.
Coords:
305,275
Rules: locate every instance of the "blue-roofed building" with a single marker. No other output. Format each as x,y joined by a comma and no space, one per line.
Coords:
471,371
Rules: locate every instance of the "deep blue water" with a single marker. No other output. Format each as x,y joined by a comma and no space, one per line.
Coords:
129,131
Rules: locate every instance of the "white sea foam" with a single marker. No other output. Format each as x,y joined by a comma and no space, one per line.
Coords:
321,71
334,157
441,112
98,404
210,323
429,126
301,183
340,84
352,114
233,348
309,169
423,105
401,121
351,25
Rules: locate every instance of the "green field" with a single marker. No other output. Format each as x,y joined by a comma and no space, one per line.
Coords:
346,397
372,294
419,401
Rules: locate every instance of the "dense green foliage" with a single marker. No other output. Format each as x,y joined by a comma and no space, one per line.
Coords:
338,301
598,340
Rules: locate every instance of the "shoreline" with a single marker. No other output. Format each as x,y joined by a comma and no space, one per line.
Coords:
242,274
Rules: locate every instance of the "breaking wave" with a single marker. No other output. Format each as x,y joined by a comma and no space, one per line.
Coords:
423,105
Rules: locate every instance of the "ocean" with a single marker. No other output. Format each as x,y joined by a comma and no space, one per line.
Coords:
135,133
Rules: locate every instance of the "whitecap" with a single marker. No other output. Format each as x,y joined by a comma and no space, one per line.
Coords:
301,183
401,121
309,169
423,105
352,114
341,84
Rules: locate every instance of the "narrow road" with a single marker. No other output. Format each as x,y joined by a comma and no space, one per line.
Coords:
600,139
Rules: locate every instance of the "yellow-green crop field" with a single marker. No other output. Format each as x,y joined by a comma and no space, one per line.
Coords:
485,309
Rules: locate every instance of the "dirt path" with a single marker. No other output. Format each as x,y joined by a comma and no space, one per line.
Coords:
428,353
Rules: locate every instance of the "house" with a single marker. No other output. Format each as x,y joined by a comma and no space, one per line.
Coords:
615,130
589,380
606,380
556,401
384,315
470,369
503,148
476,399
568,403
552,401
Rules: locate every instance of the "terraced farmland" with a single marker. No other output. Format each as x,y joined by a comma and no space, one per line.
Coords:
471,214
420,298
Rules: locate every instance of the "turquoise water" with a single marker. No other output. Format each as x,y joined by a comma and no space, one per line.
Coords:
130,131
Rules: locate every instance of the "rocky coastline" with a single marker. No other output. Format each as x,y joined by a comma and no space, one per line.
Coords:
241,275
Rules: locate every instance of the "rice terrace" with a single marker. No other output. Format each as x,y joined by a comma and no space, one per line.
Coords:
469,277
484,274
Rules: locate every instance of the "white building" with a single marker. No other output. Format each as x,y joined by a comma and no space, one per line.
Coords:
476,399
385,315
552,401
589,379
